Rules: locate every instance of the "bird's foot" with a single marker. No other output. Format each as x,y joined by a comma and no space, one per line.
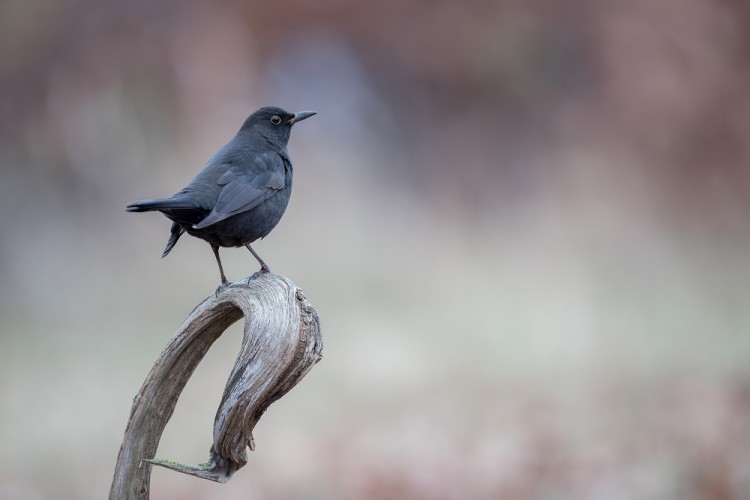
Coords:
263,270
221,287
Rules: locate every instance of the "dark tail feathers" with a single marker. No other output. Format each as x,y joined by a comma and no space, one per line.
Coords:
177,231
165,205
157,205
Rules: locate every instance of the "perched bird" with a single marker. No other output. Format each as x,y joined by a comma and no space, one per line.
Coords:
241,193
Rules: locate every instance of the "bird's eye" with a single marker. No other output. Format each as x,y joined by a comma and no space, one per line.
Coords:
276,119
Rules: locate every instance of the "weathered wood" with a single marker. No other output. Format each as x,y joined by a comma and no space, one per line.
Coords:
281,343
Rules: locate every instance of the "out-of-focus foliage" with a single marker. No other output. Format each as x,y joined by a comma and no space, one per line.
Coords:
525,226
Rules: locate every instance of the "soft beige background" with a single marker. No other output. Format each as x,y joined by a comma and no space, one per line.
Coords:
525,226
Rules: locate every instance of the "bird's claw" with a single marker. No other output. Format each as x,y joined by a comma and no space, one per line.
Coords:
221,287
263,270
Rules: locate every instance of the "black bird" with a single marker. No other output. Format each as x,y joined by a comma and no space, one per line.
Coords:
241,193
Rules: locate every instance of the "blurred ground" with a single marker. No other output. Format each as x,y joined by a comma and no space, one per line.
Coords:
525,226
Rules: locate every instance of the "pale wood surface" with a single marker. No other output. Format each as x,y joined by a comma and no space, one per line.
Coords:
281,343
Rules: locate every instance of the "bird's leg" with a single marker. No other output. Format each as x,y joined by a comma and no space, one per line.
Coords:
263,267
224,281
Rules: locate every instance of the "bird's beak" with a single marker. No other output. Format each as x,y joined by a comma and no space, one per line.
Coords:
298,117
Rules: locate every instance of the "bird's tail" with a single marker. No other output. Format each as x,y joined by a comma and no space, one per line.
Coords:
159,204
176,232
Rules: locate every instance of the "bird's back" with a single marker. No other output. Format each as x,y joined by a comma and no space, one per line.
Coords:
247,159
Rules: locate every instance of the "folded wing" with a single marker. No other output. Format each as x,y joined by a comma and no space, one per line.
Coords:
245,189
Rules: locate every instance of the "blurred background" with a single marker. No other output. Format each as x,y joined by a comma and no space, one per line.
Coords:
525,226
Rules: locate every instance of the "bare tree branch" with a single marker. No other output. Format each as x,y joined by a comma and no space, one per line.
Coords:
281,343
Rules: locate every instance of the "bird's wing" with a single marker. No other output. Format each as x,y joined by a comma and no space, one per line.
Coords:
246,188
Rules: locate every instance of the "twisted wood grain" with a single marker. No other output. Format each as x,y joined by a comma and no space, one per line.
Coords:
281,343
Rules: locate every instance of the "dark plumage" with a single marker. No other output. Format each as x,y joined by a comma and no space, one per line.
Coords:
241,193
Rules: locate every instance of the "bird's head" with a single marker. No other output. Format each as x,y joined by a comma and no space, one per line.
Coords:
274,123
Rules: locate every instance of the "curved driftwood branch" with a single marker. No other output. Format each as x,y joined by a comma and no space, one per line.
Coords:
281,343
